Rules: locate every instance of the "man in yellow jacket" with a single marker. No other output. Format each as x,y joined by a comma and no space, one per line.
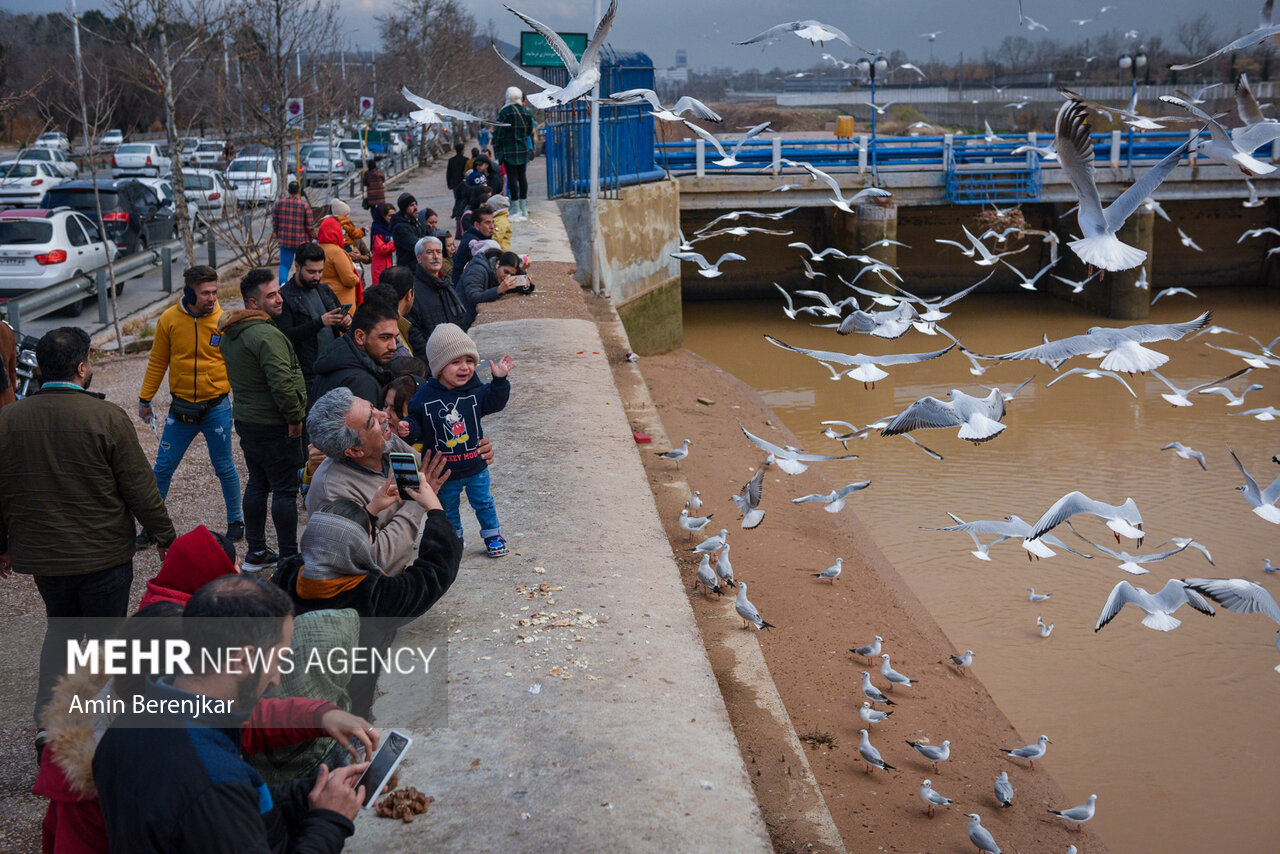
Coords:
186,345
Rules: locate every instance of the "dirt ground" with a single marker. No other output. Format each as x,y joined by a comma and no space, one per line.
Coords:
818,622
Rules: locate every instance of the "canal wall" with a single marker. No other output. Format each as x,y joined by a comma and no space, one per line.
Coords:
930,268
639,231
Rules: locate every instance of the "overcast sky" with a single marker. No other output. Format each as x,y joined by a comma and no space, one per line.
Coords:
707,28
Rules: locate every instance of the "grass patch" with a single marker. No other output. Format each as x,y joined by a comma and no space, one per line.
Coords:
815,739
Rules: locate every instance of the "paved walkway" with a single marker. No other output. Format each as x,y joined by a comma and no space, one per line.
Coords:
598,724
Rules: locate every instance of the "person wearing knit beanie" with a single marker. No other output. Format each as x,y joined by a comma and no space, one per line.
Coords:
448,342
445,416
404,201
339,208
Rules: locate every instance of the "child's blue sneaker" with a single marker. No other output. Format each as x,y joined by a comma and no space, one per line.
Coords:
496,545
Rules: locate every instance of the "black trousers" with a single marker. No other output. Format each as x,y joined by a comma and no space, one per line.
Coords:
69,599
517,181
272,458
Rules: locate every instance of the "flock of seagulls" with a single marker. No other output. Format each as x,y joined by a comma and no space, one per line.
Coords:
979,418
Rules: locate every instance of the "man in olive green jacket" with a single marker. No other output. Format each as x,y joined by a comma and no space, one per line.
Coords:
268,405
72,479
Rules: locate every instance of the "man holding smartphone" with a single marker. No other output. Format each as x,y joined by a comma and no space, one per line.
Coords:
311,316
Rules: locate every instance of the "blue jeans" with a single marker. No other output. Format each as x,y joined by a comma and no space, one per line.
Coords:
477,487
177,437
286,263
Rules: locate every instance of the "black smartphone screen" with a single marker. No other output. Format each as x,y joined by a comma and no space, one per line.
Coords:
384,762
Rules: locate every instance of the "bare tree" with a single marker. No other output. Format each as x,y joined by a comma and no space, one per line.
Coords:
1197,34
169,36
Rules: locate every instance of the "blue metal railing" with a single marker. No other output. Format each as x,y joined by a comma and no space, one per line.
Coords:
990,174
904,151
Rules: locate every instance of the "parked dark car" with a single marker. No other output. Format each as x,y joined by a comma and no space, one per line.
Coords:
134,216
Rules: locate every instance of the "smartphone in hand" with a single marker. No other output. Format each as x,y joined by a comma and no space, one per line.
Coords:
405,469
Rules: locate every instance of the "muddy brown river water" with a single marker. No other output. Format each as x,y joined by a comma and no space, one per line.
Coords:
1176,732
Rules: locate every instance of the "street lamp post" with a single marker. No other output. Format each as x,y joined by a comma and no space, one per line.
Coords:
1132,62
870,67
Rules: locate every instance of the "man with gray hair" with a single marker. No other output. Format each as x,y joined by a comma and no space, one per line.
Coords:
355,438
434,300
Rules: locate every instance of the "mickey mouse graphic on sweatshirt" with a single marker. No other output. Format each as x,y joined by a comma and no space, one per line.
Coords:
447,420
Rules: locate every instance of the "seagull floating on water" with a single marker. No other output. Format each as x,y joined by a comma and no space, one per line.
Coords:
1037,597
1045,631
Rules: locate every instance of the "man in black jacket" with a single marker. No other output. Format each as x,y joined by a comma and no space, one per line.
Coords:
456,168
406,230
173,779
312,316
358,361
481,229
434,300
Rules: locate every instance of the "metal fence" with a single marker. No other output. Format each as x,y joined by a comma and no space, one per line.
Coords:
626,132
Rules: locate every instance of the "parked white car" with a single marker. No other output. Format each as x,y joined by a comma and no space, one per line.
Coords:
57,140
23,183
162,190
41,247
112,138
208,152
140,158
187,149
255,179
209,189
57,159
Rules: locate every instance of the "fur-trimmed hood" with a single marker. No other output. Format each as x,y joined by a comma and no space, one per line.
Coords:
240,315
73,738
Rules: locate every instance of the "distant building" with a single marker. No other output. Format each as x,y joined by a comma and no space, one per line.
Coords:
682,58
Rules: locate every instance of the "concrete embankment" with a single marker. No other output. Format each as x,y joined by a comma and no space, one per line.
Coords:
582,711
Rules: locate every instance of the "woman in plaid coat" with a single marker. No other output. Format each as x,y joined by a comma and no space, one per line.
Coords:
513,146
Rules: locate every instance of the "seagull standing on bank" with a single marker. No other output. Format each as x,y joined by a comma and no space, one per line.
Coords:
893,676
870,715
1079,814
962,662
695,501
832,572
869,651
724,569
707,576
872,693
747,611
1004,790
676,454
979,835
711,544
932,752
1031,752
693,524
872,756
931,798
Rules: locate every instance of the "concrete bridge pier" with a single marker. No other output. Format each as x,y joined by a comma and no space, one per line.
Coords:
852,234
1126,301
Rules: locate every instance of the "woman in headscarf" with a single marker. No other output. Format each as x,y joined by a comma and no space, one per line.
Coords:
340,272
513,146
384,246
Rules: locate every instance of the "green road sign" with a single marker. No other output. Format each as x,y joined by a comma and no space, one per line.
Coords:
536,53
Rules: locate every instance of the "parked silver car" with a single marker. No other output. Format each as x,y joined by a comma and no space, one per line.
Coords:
210,191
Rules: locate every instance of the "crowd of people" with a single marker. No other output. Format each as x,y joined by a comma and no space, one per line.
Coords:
354,351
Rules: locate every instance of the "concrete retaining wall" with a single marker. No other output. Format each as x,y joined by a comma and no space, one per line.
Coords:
638,231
